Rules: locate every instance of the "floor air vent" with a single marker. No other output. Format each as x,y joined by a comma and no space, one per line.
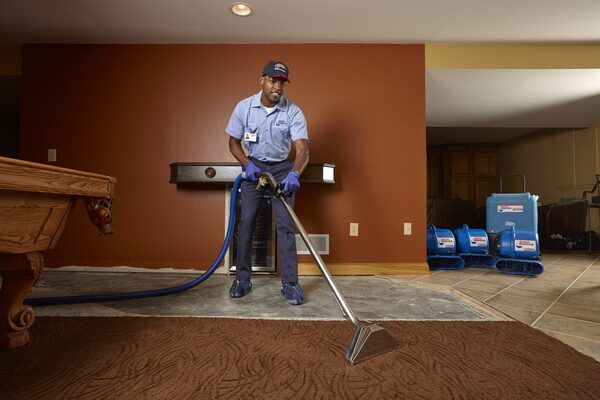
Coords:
320,241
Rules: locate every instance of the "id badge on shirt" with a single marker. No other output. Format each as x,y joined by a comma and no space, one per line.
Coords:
251,137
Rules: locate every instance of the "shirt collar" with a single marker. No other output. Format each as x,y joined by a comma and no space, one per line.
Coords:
256,103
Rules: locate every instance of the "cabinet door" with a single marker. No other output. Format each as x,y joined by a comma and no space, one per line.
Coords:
461,164
462,188
484,187
434,173
484,165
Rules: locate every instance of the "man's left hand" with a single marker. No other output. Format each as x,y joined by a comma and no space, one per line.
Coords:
291,182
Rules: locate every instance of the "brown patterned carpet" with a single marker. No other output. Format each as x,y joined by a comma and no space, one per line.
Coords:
215,358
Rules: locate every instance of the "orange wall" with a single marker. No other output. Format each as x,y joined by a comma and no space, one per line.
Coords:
130,110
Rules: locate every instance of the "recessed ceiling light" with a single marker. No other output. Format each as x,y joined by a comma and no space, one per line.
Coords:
241,9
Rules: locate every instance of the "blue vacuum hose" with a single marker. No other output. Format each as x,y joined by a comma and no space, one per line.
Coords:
98,298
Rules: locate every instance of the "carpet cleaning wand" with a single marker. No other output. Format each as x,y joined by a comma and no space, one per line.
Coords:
369,339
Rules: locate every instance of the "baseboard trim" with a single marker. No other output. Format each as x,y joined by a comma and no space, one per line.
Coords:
127,269
304,269
357,269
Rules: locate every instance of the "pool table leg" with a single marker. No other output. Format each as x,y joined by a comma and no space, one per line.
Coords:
19,273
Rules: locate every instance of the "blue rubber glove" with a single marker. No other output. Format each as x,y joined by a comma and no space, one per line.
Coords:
251,171
291,182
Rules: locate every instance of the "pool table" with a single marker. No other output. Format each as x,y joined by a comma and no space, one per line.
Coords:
35,203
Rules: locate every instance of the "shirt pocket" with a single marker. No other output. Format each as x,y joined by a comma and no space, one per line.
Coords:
282,131
252,127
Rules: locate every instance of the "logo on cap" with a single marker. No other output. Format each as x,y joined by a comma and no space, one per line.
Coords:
280,67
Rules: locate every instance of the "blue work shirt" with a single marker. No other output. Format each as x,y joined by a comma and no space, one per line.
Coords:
275,132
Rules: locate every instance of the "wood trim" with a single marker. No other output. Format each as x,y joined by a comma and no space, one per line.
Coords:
52,168
32,177
357,269
63,222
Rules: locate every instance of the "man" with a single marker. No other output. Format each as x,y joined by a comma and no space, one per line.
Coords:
268,124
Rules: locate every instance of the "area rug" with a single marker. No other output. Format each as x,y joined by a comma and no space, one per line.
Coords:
220,358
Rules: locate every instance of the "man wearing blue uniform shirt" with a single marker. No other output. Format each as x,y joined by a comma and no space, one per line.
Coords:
268,124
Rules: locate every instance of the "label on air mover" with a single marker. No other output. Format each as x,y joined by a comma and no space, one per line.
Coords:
524,245
478,241
445,242
510,208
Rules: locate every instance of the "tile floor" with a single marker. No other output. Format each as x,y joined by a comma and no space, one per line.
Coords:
563,302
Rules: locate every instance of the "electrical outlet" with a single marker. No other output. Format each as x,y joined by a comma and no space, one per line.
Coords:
353,228
407,228
52,155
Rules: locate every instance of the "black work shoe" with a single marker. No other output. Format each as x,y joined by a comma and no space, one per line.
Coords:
292,293
240,288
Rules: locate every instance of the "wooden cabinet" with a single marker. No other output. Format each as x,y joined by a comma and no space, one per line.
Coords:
434,172
465,171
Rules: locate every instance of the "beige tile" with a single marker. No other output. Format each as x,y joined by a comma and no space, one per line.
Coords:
558,276
586,346
568,310
464,273
524,316
581,284
522,303
561,267
577,327
548,257
585,289
574,269
591,275
477,294
483,286
541,285
550,265
592,292
578,261
583,256
531,294
439,279
499,278
571,297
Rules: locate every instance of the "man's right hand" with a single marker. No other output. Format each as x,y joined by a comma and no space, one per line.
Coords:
251,171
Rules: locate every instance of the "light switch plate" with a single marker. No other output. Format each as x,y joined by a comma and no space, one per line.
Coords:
51,155
407,228
353,228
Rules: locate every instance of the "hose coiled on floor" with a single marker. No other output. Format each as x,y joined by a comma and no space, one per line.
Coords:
98,298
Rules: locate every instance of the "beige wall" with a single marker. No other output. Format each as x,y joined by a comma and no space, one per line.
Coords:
556,164
512,55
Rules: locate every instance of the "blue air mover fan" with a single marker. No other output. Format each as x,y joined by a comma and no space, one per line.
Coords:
441,250
518,253
474,247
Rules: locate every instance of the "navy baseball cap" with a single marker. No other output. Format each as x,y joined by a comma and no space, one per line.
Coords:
276,69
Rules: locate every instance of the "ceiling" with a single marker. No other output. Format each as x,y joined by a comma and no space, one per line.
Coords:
274,21
478,99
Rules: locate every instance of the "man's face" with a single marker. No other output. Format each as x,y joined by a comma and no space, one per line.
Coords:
272,88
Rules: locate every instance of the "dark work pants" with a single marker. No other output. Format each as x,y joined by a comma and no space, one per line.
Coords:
286,239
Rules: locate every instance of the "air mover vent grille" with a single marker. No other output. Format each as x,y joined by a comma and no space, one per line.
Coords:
319,240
